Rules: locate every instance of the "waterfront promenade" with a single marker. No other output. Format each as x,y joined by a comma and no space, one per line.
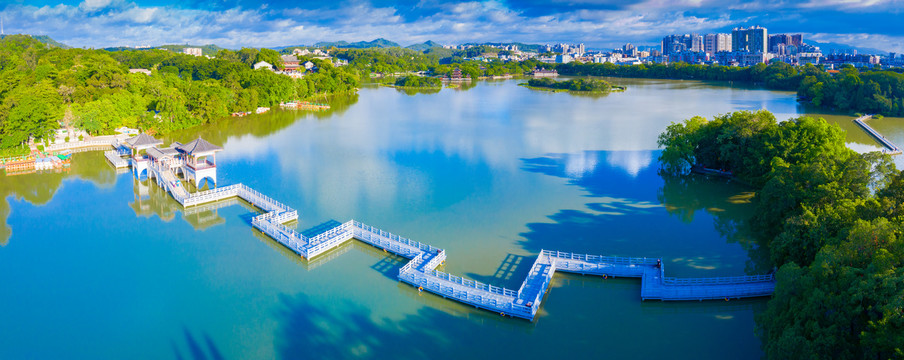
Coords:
421,269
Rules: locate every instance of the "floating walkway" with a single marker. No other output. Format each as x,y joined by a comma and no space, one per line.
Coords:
889,147
421,271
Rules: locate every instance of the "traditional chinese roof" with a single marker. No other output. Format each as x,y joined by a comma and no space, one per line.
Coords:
159,153
198,146
142,141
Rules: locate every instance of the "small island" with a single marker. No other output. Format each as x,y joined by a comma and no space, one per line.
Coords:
576,85
417,82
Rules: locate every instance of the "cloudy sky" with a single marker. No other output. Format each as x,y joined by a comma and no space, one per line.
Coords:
598,23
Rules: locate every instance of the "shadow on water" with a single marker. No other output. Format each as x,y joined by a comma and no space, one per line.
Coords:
511,272
196,350
321,228
413,92
621,187
348,330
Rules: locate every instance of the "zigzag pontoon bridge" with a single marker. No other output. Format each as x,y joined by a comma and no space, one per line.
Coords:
196,162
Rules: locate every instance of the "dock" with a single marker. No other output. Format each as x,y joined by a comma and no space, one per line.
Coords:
161,166
889,147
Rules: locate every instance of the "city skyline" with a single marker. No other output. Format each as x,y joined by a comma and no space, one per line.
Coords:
599,24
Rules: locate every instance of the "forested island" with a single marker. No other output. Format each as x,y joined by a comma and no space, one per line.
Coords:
832,220
418,82
847,90
44,88
576,85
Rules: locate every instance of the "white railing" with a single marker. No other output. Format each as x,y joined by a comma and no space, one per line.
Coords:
435,261
599,259
411,265
891,147
84,143
729,280
472,283
281,234
394,237
698,293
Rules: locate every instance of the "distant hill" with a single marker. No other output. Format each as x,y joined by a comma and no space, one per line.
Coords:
439,52
44,39
424,46
827,47
280,48
380,43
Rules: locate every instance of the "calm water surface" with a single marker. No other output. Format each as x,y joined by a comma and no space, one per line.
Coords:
95,264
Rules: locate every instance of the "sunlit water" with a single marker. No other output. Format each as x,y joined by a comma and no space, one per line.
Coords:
95,264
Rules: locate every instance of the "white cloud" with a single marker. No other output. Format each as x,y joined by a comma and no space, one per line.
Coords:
103,23
856,5
94,5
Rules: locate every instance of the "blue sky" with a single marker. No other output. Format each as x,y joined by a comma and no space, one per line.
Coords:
601,24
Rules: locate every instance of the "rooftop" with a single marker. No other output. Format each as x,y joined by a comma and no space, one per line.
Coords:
198,146
162,153
142,141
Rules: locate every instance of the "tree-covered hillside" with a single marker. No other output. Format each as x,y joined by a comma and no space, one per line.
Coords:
43,88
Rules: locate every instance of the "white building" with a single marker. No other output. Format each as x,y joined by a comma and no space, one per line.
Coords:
192,51
713,43
564,59
263,65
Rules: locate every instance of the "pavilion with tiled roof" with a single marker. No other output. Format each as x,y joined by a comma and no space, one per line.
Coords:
140,144
200,160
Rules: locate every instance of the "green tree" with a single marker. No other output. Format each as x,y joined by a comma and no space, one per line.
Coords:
29,111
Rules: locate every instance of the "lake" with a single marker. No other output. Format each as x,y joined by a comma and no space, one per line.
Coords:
95,264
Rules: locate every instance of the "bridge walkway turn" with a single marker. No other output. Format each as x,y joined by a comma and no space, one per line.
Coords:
421,271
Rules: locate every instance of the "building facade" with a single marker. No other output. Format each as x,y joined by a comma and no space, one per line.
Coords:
713,43
754,39
677,43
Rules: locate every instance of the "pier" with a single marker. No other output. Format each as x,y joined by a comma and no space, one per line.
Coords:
889,147
162,165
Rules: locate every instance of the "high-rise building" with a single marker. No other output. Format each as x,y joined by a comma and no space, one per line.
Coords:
696,43
777,42
677,43
629,49
713,43
753,39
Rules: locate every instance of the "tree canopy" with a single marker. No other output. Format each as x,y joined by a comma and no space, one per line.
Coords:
39,84
832,219
587,85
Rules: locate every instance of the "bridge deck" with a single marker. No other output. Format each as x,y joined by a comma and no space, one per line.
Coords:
421,271
114,158
890,147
